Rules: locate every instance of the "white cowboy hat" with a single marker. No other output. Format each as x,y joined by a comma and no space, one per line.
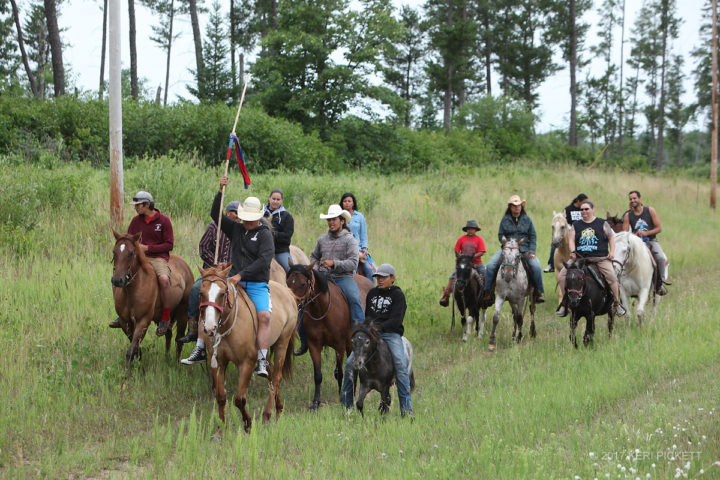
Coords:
515,200
251,210
336,211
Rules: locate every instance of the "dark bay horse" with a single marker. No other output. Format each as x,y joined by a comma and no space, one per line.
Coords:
615,223
137,294
374,364
513,285
228,322
587,296
468,293
326,318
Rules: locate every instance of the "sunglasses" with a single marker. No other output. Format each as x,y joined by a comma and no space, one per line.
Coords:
583,209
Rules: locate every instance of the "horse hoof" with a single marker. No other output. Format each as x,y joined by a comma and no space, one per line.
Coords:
491,347
464,339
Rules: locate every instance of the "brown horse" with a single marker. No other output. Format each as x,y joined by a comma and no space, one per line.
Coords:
615,223
561,242
326,318
229,329
137,294
298,256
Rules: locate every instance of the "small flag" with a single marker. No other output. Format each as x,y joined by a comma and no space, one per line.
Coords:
240,159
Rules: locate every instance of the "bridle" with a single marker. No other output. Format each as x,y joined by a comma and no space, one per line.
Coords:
622,263
128,277
310,296
513,265
225,303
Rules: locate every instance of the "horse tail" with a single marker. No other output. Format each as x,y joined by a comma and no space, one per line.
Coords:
287,366
412,381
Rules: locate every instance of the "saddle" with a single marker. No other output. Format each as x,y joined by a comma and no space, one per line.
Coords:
589,266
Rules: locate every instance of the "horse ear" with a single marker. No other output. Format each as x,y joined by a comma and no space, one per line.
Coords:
504,240
224,272
290,262
136,237
202,272
554,213
457,254
115,234
522,240
310,267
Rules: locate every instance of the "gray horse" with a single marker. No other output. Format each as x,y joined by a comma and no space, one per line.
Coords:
512,285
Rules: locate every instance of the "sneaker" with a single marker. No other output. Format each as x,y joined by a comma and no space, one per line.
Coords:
116,323
198,355
162,328
549,269
662,290
561,312
620,310
261,369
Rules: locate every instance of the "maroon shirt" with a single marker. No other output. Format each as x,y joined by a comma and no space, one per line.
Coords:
157,234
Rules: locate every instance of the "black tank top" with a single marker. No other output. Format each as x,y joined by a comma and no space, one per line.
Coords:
642,221
590,238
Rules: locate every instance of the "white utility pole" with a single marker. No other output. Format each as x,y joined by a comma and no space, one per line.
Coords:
115,107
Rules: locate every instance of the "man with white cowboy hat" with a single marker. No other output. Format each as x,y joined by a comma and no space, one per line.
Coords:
337,253
517,225
251,251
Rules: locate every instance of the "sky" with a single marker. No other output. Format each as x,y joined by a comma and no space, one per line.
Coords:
82,20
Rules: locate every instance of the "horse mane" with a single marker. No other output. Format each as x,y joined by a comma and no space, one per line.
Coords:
321,280
368,328
142,258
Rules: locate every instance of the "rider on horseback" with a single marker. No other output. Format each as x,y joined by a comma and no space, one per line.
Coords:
592,237
517,225
645,223
157,242
468,244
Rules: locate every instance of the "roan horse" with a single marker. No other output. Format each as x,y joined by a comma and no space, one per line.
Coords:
228,322
374,364
561,242
137,294
468,294
634,267
326,318
587,296
513,285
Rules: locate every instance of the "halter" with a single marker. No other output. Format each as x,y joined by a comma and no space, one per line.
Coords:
307,299
513,265
625,260
582,289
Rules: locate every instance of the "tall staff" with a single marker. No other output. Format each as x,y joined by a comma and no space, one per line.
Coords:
227,163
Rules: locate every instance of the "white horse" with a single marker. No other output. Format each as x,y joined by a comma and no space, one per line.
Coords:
634,267
561,242
512,285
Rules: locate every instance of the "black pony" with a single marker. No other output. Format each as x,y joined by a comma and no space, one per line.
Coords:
374,364
468,295
587,295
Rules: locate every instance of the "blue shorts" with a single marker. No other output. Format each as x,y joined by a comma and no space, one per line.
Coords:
259,293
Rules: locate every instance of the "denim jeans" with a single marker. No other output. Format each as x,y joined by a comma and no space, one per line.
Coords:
350,289
365,270
194,299
282,258
494,264
402,376
551,260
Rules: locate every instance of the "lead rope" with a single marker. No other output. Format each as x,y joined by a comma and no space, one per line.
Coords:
219,337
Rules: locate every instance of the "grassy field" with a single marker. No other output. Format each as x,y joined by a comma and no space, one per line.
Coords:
643,404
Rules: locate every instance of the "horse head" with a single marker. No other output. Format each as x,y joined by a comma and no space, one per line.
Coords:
215,299
560,229
365,338
127,256
299,280
615,223
464,267
510,258
575,282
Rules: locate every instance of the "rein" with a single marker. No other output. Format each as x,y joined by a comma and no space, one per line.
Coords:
307,299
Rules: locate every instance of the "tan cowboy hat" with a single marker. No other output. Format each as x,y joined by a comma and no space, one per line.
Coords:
251,210
515,200
336,211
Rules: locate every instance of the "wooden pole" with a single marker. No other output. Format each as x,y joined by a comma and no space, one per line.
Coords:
115,109
227,164
714,142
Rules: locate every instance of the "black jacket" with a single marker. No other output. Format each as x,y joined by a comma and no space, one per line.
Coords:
283,228
387,308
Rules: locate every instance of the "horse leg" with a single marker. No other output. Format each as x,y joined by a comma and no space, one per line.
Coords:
468,324
244,373
518,320
139,333
589,329
361,397
640,309
533,331
480,327
385,399
180,314
573,326
611,322
460,301
220,393
496,319
339,370
317,375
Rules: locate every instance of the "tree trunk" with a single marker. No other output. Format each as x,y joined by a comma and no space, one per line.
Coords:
447,100
197,38
572,134
167,64
621,105
102,53
134,90
661,107
233,69
55,48
21,45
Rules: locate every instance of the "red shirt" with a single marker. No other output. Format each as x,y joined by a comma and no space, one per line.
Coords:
157,234
467,245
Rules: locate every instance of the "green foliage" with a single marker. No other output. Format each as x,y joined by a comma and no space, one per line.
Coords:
506,124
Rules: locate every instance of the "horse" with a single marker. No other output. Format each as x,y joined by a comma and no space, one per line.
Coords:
298,256
634,267
228,322
374,364
277,272
561,242
615,222
587,296
326,318
137,294
513,285
468,294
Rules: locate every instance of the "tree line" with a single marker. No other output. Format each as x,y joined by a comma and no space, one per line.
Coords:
320,63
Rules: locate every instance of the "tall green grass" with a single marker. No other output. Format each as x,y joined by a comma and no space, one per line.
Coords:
642,403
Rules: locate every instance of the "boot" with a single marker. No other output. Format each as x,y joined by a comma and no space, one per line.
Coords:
445,300
192,333
562,310
620,310
539,297
115,323
303,338
661,290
